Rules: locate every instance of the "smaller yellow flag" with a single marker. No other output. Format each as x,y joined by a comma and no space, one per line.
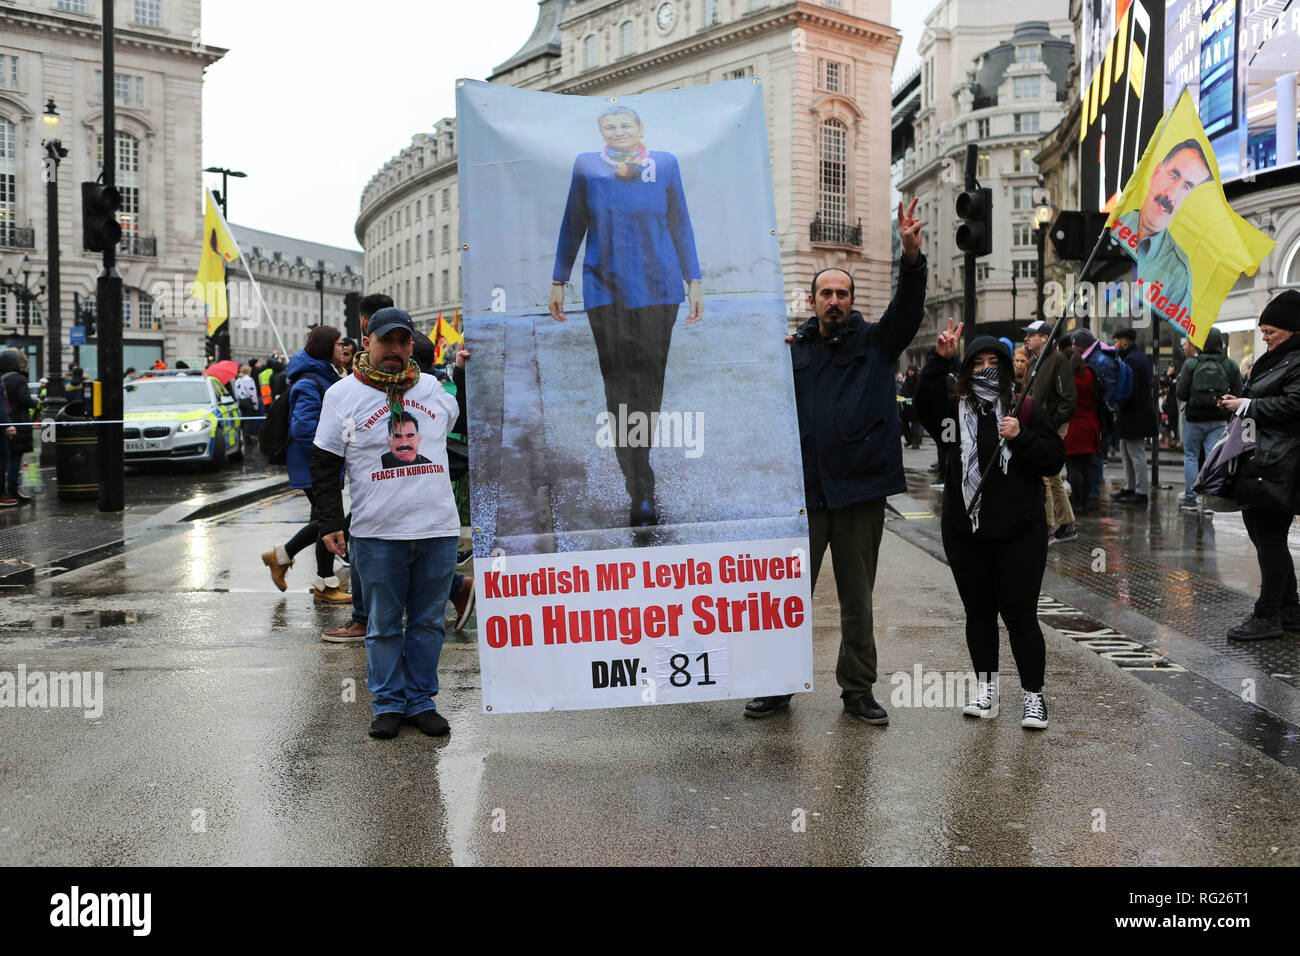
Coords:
1175,221
219,247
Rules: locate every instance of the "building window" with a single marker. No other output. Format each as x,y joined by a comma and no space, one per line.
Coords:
446,286
416,301
981,272
833,76
1025,87
147,318
446,198
417,248
710,12
625,41
589,52
428,288
417,208
742,73
1025,268
1022,197
833,191
124,85
1025,161
983,166
1022,234
8,190
446,238
1026,123
126,308
148,13
408,252
982,129
9,72
1029,53
429,245
76,6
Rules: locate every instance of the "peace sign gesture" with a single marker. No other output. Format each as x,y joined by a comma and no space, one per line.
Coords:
909,231
947,344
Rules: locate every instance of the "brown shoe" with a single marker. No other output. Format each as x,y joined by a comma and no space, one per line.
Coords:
464,603
7,502
353,633
277,569
331,593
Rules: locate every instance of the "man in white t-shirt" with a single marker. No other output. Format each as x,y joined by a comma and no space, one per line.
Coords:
405,527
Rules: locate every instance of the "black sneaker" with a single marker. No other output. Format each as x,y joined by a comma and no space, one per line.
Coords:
1066,532
1291,619
1123,495
464,559
767,706
866,710
431,723
1134,499
1256,628
1035,711
385,726
643,514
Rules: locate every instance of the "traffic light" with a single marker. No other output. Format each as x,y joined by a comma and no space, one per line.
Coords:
352,315
100,230
975,209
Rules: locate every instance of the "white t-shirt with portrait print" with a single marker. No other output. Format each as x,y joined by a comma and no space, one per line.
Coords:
401,490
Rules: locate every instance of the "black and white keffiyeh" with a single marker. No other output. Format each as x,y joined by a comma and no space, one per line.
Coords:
984,398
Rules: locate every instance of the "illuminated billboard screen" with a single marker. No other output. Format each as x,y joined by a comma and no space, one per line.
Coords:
1218,66
1123,96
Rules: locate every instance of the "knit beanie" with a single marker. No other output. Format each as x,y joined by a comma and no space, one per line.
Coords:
1283,312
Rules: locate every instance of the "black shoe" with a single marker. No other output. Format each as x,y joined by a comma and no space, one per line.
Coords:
431,723
1291,619
1256,628
867,710
21,498
935,468
464,559
644,514
1134,499
1123,495
385,726
766,706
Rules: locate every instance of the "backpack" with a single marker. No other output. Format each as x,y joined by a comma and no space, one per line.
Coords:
273,439
1209,379
1123,381
1103,363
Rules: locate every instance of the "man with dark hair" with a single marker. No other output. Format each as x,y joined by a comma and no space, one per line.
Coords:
1053,391
852,459
1158,255
1135,421
371,304
403,443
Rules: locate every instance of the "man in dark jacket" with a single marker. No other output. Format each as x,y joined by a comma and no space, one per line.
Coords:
1053,392
849,434
1206,376
906,415
13,373
1136,421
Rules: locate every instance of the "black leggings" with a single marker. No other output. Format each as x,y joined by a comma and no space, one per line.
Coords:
1277,584
632,346
1076,469
1002,577
307,535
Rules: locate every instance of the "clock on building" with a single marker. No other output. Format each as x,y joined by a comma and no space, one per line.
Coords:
665,17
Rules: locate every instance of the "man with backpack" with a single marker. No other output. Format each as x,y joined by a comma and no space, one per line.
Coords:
1116,380
1205,377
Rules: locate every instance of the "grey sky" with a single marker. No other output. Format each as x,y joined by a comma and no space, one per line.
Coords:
315,95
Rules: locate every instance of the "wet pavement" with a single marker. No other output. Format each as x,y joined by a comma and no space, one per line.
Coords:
231,733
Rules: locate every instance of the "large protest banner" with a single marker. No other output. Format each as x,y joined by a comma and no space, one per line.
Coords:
637,494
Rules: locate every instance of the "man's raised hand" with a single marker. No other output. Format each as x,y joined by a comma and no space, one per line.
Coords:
909,231
947,344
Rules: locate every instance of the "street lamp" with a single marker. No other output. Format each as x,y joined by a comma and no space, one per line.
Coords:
54,153
23,291
1042,219
224,173
319,273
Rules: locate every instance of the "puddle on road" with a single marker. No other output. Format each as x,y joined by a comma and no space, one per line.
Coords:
79,621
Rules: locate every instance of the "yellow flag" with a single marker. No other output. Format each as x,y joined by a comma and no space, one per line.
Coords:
219,247
444,334
1175,221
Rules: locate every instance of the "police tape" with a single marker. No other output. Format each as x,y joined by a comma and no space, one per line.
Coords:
48,422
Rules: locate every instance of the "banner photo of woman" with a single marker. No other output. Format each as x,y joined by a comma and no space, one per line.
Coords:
631,400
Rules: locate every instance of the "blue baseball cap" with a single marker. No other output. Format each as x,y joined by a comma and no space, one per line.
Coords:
385,320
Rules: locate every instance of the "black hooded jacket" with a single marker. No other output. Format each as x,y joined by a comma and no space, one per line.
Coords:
1009,501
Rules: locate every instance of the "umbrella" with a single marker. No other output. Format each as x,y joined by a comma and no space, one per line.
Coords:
225,371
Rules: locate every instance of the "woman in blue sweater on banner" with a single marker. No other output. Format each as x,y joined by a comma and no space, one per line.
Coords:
627,201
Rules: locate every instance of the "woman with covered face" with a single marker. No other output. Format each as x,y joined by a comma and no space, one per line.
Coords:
628,203
996,542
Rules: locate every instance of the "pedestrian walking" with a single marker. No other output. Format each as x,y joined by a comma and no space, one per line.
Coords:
906,416
1136,421
996,544
405,526
1267,484
1205,378
7,432
244,390
311,372
13,373
1083,439
852,458
1052,390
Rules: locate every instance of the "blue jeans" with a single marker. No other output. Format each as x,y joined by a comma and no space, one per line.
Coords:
1198,439
359,598
411,578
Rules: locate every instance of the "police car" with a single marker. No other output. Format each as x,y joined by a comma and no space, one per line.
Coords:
180,415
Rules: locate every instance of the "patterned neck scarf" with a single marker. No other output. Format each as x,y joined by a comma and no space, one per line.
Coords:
627,166
984,399
392,384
